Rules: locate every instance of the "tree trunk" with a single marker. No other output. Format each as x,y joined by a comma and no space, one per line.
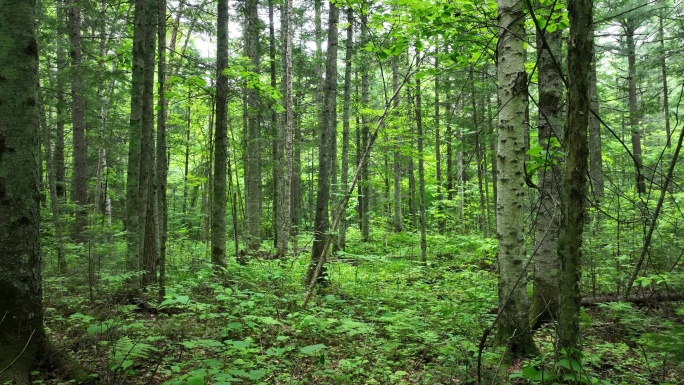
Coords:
629,29
55,204
186,163
550,126
513,328
328,128
285,134
218,207
575,170
449,136
148,184
421,170
441,223
22,337
252,150
478,154
396,161
58,159
134,206
595,148
413,207
80,150
663,70
162,168
365,135
349,49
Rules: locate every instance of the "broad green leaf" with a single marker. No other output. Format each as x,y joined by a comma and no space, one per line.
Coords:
240,345
312,348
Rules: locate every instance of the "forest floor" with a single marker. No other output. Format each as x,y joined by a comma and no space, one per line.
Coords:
383,319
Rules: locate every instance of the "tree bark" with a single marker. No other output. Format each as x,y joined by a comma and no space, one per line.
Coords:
595,147
148,184
421,170
344,180
663,71
365,134
60,172
441,223
252,150
22,337
218,207
629,28
550,127
396,161
575,170
328,128
513,327
134,208
80,151
161,158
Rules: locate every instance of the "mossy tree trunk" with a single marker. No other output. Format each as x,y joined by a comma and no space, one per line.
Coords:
22,337
218,207
575,170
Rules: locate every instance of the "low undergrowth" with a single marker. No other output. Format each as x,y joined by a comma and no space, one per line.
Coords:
384,318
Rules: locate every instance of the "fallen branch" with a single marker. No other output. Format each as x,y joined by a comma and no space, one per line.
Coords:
636,299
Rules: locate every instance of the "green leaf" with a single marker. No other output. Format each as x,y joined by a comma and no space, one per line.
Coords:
99,328
240,345
256,374
312,348
196,380
213,363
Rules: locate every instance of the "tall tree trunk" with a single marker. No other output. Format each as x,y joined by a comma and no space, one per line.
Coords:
421,169
513,327
349,50
134,206
148,183
161,158
449,136
663,70
365,135
328,128
22,337
277,151
285,134
441,223
100,205
460,170
55,204
396,161
58,159
478,153
574,177
550,126
80,150
493,150
359,151
629,28
297,194
413,206
218,207
186,163
252,161
595,147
